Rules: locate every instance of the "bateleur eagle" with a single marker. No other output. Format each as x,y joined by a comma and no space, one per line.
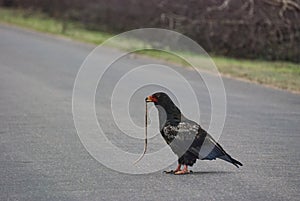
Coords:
185,137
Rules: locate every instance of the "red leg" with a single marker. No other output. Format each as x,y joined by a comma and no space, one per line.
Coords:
174,171
183,171
178,168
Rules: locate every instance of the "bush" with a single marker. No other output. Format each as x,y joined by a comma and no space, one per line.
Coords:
263,29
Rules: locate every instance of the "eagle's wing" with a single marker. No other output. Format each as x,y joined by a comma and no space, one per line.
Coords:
189,138
181,137
210,150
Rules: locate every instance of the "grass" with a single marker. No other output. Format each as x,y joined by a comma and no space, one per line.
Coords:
278,74
283,75
40,22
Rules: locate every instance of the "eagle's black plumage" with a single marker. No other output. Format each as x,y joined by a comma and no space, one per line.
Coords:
185,137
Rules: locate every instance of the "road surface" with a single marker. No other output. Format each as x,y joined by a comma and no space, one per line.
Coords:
42,158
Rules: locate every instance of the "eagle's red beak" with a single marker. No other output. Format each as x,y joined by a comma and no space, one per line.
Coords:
151,99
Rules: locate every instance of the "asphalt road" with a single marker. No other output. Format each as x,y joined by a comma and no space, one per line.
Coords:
42,158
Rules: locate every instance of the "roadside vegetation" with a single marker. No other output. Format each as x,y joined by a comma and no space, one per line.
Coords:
279,74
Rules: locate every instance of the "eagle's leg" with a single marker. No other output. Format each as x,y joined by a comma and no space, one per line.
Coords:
183,171
174,171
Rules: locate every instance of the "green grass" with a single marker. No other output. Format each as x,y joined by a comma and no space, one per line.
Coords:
40,22
284,75
279,74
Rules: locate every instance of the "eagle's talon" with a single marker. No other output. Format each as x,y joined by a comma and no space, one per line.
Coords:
182,172
169,172
174,171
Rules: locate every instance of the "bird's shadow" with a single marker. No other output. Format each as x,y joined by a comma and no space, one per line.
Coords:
210,172
207,173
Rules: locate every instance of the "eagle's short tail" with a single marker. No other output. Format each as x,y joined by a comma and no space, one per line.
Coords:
229,159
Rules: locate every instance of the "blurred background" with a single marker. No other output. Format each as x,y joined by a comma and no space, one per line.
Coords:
252,29
255,40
